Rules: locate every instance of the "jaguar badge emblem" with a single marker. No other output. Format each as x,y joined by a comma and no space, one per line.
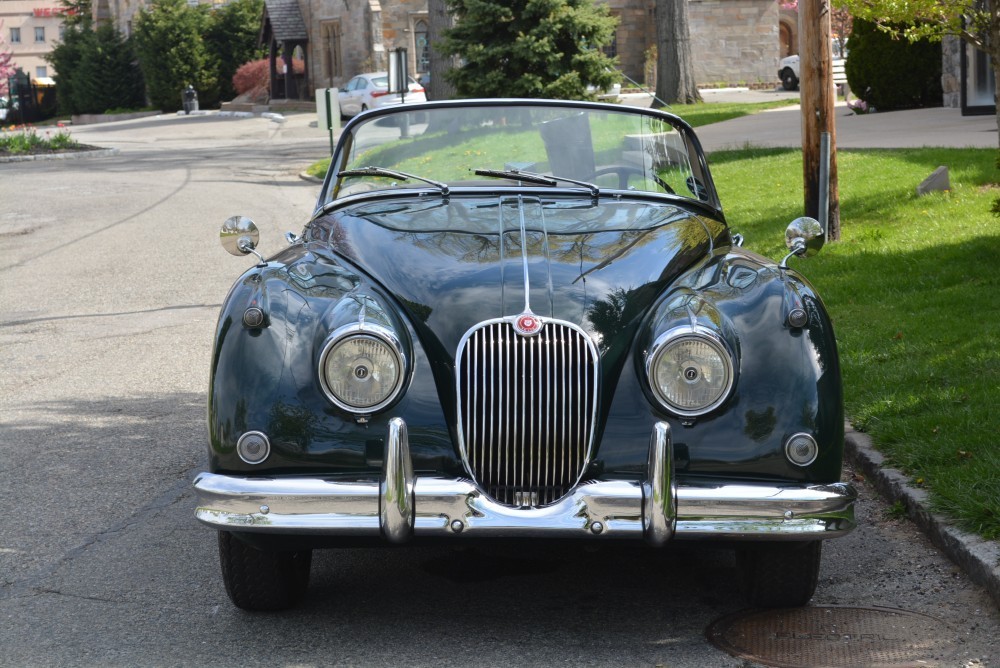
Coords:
527,324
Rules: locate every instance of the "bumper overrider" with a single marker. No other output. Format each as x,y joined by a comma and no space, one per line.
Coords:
401,505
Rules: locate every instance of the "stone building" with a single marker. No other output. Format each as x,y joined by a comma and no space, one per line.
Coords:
733,41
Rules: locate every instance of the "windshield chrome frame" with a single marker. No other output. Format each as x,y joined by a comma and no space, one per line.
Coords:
346,140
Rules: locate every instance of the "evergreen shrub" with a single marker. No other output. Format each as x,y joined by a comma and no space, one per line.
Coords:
891,72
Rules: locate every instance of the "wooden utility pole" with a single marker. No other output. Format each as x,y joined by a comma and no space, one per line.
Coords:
818,96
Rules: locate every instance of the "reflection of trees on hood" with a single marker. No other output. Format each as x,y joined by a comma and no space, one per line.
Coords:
608,316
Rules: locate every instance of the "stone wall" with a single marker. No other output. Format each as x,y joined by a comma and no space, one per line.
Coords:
636,34
735,42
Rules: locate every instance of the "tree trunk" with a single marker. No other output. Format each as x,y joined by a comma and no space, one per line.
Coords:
675,82
439,20
818,95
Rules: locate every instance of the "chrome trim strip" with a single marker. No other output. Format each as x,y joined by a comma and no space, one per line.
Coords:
401,505
396,485
524,252
659,490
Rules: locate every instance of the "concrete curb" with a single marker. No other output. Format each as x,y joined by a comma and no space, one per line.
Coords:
69,155
979,558
310,179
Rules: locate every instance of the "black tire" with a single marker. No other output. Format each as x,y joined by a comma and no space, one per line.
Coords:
779,575
788,79
257,580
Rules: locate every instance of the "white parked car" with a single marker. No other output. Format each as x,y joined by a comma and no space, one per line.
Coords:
371,91
788,68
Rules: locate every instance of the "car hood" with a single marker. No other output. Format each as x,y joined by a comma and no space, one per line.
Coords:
453,263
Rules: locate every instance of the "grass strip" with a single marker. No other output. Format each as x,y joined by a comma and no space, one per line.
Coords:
915,295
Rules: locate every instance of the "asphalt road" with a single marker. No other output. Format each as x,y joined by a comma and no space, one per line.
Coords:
110,281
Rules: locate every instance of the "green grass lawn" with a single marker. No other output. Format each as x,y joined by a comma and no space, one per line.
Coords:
704,113
914,291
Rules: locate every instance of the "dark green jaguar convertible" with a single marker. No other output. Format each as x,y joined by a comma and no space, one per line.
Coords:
522,320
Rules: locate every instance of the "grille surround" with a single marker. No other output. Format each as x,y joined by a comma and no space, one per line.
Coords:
527,407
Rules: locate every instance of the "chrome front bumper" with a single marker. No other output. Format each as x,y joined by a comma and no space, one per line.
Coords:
401,505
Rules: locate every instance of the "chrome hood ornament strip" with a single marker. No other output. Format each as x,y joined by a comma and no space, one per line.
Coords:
527,323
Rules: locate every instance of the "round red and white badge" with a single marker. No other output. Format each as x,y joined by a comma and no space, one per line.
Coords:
527,324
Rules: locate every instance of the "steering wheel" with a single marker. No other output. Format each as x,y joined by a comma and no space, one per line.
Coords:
626,171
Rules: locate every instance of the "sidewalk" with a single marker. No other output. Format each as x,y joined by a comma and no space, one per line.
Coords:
910,128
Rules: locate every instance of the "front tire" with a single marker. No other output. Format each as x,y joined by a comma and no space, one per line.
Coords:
779,575
788,79
257,580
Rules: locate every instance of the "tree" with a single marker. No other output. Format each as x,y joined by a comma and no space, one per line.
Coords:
529,48
95,69
232,40
172,54
675,82
7,65
977,22
439,20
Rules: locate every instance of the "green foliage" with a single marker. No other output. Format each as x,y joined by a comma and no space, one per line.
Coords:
891,73
529,48
232,40
25,139
95,69
172,53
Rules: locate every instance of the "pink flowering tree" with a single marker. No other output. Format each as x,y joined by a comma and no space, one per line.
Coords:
7,65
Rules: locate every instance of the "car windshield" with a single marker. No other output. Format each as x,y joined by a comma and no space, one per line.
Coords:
589,146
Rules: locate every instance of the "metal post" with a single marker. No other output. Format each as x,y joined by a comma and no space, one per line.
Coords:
824,182
329,117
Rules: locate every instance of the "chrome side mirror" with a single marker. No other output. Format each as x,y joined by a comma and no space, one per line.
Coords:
804,237
239,236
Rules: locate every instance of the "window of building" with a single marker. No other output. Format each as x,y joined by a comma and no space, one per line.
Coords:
611,50
15,35
330,46
422,44
41,71
39,34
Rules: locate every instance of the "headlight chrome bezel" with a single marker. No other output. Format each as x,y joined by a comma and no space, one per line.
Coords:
378,333
671,337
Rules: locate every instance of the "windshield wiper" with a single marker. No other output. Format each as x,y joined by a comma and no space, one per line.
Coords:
532,177
393,174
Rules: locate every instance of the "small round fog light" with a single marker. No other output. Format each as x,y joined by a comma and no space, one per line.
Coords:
801,449
253,447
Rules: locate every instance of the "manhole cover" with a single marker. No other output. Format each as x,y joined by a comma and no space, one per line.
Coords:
833,637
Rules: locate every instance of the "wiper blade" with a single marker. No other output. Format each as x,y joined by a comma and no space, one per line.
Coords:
532,177
393,174
517,175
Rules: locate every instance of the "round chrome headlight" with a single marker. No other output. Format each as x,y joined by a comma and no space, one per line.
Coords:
361,368
690,371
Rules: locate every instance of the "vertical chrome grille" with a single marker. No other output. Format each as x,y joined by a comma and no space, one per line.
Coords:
526,410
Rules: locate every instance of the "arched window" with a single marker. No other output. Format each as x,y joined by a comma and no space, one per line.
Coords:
422,45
